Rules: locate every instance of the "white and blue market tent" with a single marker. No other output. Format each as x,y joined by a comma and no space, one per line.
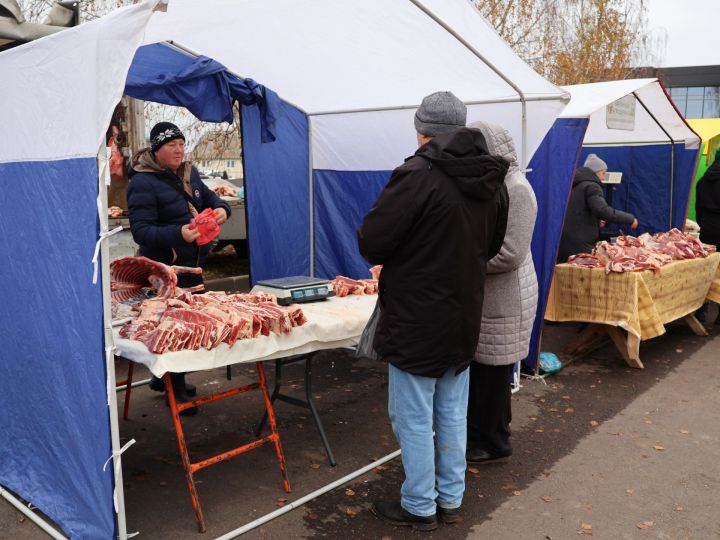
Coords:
635,128
332,117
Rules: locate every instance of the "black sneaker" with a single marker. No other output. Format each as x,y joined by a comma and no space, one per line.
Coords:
159,386
394,513
480,457
448,515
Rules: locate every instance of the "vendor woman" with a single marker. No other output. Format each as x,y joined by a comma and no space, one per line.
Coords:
586,209
164,194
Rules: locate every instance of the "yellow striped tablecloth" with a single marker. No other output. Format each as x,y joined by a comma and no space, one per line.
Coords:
639,302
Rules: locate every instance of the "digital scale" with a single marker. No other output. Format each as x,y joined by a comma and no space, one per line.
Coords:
296,289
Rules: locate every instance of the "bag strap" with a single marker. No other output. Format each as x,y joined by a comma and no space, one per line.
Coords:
180,190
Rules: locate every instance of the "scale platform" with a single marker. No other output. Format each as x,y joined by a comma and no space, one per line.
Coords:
296,289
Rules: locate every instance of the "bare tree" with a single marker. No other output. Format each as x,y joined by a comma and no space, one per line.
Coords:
576,41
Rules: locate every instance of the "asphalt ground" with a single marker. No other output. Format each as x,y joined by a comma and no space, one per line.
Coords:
600,450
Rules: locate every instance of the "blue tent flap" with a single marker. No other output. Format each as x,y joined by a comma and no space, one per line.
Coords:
166,75
55,426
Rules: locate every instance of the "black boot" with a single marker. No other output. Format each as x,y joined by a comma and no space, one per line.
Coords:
159,386
181,393
394,513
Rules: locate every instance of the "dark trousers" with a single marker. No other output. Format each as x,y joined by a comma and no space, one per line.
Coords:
489,410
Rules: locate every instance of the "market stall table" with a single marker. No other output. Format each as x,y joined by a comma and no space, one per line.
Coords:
332,323
632,306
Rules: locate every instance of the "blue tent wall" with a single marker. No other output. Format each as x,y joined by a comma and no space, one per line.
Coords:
277,194
645,190
55,423
552,167
342,198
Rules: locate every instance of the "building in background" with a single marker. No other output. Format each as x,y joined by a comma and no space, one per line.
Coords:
219,153
695,90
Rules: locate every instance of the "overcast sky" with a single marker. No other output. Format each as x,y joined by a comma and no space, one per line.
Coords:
693,30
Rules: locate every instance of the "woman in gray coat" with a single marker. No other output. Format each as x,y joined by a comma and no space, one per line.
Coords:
509,306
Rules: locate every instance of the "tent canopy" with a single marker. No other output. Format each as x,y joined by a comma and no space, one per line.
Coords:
591,101
341,57
635,127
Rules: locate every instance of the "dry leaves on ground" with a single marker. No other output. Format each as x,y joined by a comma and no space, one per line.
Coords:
349,492
659,448
644,524
585,528
547,498
473,470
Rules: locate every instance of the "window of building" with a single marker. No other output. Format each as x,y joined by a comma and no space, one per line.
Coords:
231,163
697,101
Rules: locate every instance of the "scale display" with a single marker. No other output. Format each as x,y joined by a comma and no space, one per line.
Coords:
296,289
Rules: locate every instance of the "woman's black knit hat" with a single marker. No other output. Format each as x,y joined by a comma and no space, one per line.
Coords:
162,133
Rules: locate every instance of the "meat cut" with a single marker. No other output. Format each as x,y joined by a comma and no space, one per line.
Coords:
344,286
204,321
130,275
645,252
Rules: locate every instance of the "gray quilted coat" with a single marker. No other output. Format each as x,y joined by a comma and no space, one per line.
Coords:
511,290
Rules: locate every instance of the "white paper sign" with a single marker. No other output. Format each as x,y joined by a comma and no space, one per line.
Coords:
620,114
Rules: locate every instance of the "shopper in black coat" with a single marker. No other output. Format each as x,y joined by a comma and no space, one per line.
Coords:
438,221
586,208
434,227
707,203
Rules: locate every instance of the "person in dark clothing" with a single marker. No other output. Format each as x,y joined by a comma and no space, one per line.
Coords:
707,212
707,203
164,194
586,208
435,225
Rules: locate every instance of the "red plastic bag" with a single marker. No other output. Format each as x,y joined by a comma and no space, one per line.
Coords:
207,226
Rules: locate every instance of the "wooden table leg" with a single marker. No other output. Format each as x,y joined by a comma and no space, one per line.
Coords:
584,339
628,344
187,464
695,325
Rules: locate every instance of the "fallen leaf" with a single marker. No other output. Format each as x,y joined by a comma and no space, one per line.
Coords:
629,491
566,397
280,502
678,350
644,524
533,418
473,470
540,430
585,528
594,423
648,421
684,432
349,492
314,465
678,508
547,498
659,448
569,410
312,516
163,484
386,537
516,493
616,433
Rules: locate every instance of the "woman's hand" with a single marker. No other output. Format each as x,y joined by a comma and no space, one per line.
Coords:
634,224
190,232
220,215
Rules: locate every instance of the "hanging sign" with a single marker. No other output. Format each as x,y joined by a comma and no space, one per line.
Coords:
620,114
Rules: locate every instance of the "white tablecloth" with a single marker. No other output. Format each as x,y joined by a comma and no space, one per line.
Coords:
332,323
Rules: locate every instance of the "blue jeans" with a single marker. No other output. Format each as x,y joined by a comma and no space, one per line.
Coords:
434,469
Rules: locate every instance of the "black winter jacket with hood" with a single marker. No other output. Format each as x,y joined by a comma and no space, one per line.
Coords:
435,225
707,204
586,207
158,211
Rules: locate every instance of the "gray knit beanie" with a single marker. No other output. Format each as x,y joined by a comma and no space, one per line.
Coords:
440,112
595,164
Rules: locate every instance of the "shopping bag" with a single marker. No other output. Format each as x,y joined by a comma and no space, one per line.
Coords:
365,347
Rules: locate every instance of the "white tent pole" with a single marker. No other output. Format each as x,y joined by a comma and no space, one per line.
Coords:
37,520
544,97
119,496
311,197
310,496
489,64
